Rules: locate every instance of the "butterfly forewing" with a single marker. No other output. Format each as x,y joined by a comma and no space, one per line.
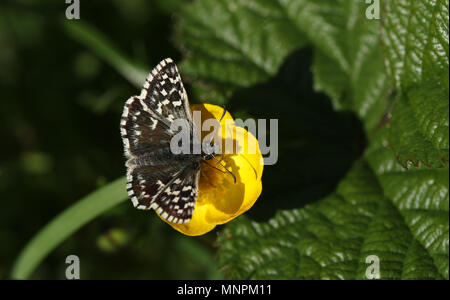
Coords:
142,130
164,92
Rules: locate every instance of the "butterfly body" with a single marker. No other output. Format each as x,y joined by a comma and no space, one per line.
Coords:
162,157
157,178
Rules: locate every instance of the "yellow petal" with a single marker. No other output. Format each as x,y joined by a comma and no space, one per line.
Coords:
220,199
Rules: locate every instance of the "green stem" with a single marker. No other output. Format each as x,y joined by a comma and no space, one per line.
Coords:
67,223
99,44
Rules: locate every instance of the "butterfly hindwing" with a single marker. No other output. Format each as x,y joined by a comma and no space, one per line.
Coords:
176,202
146,182
170,192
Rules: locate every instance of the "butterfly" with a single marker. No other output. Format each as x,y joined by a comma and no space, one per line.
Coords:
157,178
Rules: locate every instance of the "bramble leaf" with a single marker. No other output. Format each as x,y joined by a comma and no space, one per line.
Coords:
348,64
406,228
421,195
415,34
232,44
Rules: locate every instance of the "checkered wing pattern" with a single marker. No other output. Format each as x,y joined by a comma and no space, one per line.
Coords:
170,192
164,93
155,180
142,130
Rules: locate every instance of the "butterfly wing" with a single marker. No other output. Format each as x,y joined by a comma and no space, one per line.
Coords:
170,192
164,93
146,119
176,202
154,181
142,130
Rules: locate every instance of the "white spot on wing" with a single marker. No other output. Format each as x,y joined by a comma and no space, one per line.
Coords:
159,109
142,207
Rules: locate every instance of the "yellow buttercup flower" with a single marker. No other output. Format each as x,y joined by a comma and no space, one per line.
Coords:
219,199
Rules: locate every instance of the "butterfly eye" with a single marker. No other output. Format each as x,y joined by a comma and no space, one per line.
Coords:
208,148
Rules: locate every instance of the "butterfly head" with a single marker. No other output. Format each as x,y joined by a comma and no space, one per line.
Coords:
209,149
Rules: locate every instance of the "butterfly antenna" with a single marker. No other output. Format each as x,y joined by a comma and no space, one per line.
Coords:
223,114
214,167
229,172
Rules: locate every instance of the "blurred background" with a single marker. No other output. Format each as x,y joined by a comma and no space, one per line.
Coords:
60,109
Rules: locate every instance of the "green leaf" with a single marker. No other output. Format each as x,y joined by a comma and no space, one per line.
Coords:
65,224
408,142
415,34
348,63
230,44
421,195
368,214
330,240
